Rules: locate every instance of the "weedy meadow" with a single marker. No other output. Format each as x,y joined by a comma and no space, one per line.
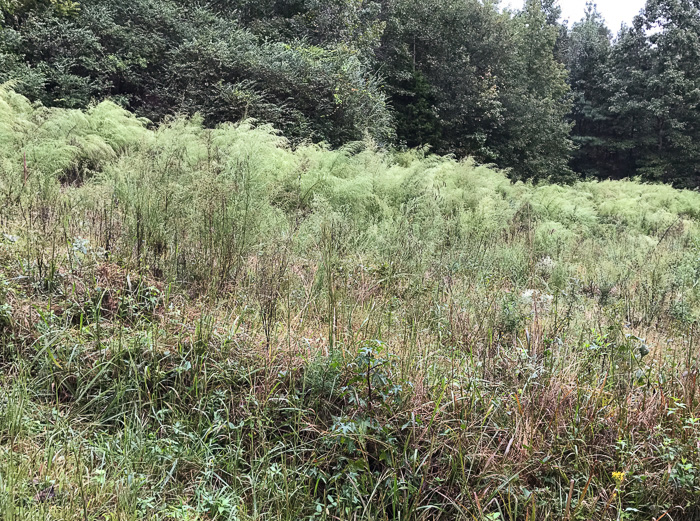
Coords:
208,324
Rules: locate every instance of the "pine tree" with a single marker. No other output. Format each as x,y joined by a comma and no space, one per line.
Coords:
656,92
535,140
587,56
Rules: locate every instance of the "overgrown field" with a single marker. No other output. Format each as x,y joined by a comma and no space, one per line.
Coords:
207,324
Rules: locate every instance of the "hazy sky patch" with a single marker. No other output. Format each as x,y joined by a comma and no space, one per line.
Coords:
615,12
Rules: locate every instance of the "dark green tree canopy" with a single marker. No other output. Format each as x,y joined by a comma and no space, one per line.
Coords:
636,98
161,57
520,89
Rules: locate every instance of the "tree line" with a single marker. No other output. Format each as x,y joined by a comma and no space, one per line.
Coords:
521,89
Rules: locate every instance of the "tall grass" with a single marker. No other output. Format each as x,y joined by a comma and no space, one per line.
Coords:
208,324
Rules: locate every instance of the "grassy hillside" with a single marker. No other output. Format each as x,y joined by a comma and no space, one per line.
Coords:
207,324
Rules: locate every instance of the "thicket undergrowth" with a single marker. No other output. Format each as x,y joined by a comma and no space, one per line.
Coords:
208,324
